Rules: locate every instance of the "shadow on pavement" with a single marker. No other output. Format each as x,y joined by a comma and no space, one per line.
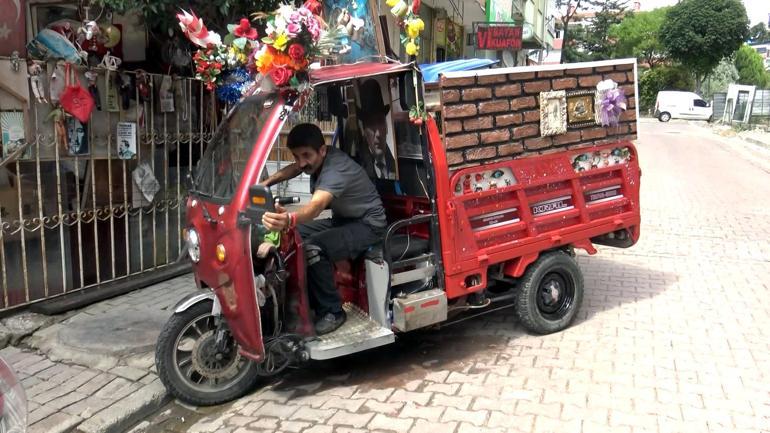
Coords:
609,284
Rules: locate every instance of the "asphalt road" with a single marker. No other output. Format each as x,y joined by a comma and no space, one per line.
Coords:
673,336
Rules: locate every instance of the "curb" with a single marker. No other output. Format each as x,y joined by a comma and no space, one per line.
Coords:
127,412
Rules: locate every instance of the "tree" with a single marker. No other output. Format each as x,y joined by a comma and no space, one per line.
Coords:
700,33
160,15
637,36
759,34
662,78
573,51
568,9
597,40
751,67
720,78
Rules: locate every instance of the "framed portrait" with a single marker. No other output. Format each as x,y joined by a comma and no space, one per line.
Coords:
376,145
13,137
126,140
580,109
358,24
77,137
553,113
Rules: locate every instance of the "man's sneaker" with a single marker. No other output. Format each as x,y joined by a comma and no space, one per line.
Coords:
329,322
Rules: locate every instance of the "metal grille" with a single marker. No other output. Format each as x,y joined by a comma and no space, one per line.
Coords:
73,222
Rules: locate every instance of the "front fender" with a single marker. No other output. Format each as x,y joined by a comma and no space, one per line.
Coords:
194,298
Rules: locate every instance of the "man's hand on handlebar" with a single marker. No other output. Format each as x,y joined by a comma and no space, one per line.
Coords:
276,221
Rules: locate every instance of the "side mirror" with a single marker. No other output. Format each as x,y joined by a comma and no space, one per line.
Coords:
260,201
406,91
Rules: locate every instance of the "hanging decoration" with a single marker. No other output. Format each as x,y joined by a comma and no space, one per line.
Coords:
409,21
231,66
610,102
613,104
233,85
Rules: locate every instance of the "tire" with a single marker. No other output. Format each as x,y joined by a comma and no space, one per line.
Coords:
550,293
664,116
180,332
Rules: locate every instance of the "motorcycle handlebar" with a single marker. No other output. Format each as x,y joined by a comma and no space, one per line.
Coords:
283,201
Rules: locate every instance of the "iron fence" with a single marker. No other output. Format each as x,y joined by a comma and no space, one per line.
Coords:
70,221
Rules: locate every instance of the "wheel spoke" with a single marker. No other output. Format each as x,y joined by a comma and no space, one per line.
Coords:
182,362
189,373
196,329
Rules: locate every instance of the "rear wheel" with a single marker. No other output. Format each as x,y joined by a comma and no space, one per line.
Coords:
194,368
550,293
664,116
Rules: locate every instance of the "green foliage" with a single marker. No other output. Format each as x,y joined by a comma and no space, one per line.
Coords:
160,15
571,35
597,40
759,34
719,79
662,78
700,33
593,42
572,50
637,36
751,68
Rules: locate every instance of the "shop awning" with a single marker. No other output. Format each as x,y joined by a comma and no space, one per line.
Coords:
431,71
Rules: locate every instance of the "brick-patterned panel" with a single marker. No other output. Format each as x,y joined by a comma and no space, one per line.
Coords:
497,117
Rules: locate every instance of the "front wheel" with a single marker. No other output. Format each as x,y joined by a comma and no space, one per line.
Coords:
550,293
193,367
664,117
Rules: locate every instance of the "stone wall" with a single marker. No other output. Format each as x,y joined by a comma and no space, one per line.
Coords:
490,118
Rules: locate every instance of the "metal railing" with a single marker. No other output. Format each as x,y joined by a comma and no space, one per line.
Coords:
69,222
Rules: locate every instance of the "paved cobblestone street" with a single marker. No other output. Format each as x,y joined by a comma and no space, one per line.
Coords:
673,335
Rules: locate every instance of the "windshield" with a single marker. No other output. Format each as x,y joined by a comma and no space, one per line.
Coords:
225,158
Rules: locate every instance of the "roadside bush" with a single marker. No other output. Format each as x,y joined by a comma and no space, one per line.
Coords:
662,78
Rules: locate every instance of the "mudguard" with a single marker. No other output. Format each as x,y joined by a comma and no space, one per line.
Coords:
192,299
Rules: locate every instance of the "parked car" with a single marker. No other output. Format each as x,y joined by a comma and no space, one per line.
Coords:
672,104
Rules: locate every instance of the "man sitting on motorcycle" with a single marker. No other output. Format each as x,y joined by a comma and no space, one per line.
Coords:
358,217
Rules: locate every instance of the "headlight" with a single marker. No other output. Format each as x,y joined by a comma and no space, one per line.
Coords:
193,245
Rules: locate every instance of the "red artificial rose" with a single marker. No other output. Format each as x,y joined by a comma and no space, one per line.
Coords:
314,6
280,75
244,30
296,52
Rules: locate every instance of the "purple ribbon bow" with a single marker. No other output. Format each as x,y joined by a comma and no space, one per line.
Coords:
613,103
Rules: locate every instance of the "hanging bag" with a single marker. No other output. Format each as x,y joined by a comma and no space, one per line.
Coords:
76,100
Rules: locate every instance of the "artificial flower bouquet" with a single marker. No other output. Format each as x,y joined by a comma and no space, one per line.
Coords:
291,44
231,66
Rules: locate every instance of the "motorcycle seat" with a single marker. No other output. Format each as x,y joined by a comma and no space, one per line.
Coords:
402,246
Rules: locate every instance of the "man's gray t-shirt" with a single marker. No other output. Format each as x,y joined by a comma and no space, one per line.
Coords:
354,193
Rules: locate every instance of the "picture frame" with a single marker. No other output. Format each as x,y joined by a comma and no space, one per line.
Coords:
581,108
376,145
77,138
126,140
358,21
553,113
13,133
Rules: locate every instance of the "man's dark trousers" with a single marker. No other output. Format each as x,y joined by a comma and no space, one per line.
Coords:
327,241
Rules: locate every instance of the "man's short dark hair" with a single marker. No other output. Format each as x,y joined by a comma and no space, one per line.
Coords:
305,135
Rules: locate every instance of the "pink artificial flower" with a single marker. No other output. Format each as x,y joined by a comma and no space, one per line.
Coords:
281,75
314,27
293,29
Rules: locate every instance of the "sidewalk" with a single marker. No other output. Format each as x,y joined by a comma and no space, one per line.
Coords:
92,370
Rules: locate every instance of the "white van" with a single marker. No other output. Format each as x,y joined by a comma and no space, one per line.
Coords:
672,104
